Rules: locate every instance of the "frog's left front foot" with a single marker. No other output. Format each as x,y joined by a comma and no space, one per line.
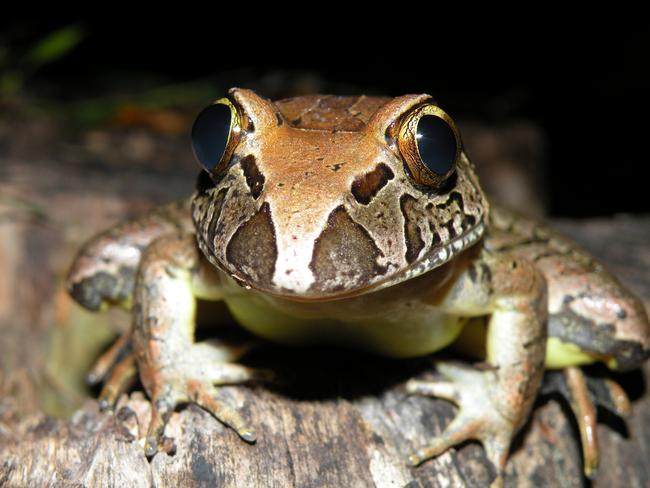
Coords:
173,368
195,379
480,415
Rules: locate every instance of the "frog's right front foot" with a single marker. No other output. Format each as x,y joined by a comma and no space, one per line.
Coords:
479,417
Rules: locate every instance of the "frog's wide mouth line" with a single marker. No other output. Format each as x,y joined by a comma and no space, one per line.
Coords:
432,260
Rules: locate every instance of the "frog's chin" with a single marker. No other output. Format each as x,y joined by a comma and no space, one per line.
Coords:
434,259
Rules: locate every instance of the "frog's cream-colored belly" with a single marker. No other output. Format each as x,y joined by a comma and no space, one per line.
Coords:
406,331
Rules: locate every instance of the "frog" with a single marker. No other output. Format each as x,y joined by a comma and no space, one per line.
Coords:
357,221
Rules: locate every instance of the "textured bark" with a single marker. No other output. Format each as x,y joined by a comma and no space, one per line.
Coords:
337,418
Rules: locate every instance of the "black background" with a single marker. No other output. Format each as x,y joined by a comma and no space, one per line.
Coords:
585,90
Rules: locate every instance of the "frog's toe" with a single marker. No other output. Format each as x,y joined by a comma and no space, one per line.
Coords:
103,366
122,376
206,397
201,393
471,390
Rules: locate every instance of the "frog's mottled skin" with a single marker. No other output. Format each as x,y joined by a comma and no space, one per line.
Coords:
314,230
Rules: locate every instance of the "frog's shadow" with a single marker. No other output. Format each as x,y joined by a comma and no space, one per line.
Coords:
326,373
313,373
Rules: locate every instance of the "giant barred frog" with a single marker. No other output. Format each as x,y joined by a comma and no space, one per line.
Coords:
356,221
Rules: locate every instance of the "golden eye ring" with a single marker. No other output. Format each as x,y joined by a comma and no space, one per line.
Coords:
430,144
215,134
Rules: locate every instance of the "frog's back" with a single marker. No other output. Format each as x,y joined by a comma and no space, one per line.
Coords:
330,112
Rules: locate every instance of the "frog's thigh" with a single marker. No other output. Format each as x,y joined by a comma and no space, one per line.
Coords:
495,402
592,318
103,272
173,368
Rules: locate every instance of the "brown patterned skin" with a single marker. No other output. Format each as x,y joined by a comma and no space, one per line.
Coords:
313,229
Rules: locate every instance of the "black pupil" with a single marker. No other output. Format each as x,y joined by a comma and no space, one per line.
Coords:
437,144
210,135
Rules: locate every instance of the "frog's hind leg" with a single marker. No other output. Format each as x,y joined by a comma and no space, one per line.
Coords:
584,393
121,378
173,368
584,411
107,361
103,272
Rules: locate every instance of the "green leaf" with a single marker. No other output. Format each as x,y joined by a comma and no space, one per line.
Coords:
55,45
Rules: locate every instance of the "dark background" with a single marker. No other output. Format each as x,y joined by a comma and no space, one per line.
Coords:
585,90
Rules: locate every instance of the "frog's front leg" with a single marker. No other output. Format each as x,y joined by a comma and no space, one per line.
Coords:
493,401
173,368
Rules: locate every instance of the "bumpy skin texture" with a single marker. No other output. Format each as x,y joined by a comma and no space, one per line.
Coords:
315,213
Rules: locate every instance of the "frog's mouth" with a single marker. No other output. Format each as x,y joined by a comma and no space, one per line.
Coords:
433,259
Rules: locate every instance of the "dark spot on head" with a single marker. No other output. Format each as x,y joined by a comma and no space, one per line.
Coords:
414,241
279,118
450,229
335,167
365,187
252,250
468,221
621,313
296,122
254,179
435,236
454,197
343,254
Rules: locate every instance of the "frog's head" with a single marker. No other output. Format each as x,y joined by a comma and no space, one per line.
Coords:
321,197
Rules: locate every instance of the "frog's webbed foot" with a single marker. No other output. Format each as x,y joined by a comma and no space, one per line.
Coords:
479,416
196,380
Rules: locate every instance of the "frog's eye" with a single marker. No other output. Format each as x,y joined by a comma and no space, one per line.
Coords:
430,144
214,134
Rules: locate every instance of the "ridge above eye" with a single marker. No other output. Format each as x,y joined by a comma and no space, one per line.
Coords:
211,133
